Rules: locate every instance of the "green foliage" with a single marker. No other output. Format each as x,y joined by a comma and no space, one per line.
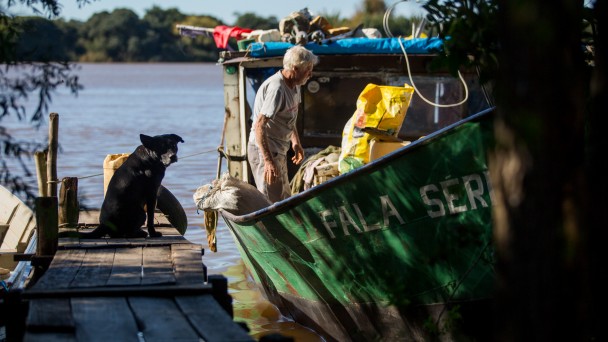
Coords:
450,319
48,8
159,41
42,40
9,35
109,37
120,36
253,21
374,7
372,15
23,41
470,34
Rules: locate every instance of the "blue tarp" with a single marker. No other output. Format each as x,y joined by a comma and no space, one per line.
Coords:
349,46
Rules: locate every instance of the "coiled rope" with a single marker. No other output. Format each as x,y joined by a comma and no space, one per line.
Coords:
409,74
385,24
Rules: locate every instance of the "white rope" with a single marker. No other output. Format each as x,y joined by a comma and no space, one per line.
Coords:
386,17
101,174
385,22
409,73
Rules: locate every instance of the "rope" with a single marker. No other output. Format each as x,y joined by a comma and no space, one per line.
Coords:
196,154
101,174
409,73
387,15
385,23
461,280
202,200
210,218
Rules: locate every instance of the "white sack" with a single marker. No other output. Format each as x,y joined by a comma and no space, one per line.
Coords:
230,194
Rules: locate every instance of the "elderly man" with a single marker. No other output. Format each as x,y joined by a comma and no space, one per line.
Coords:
274,130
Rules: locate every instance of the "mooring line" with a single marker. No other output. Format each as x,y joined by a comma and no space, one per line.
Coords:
199,153
101,174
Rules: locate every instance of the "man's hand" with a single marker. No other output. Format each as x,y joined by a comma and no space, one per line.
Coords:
299,154
271,174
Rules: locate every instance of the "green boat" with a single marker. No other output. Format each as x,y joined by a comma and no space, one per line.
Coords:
398,249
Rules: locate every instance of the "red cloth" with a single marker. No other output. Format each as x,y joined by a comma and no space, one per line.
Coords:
222,33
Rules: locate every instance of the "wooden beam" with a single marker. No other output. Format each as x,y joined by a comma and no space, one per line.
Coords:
121,291
46,220
52,154
41,173
68,202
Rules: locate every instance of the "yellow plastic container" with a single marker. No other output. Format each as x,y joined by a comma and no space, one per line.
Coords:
110,165
379,148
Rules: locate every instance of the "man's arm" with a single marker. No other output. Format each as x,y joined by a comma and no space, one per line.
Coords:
270,170
297,148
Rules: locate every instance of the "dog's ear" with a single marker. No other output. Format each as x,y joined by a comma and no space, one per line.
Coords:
176,138
146,140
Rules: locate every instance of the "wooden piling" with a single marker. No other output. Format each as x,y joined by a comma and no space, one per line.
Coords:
47,225
52,155
68,202
41,173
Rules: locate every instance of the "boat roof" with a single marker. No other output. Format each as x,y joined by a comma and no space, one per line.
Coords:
350,46
341,47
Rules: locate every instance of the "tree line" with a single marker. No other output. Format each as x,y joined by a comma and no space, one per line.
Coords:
117,36
122,36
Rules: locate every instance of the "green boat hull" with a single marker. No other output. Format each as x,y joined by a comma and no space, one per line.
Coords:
399,249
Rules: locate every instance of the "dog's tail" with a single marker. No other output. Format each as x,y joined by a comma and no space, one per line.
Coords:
96,233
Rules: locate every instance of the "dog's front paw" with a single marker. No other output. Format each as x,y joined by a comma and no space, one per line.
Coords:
154,233
138,233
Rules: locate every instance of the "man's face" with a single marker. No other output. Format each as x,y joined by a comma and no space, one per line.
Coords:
303,73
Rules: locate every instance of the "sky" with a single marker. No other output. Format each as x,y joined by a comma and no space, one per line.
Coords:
225,9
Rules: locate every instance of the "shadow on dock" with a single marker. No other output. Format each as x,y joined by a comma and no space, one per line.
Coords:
145,289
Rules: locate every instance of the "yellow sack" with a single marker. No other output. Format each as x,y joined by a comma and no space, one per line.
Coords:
380,113
210,218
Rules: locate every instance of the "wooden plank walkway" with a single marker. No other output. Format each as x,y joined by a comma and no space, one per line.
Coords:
150,289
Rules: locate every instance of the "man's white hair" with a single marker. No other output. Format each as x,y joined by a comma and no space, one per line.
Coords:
299,56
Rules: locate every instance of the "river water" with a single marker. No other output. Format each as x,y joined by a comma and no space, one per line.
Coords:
120,101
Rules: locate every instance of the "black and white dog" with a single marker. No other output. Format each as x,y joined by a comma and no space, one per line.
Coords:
132,192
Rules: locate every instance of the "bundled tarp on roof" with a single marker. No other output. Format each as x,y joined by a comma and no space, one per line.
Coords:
348,46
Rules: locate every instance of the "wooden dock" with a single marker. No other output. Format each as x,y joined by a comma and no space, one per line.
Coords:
148,289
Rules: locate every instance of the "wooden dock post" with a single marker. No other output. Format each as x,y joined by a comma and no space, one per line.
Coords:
41,173
68,202
47,223
52,155
220,292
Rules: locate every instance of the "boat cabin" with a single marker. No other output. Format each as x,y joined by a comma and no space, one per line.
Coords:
330,95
